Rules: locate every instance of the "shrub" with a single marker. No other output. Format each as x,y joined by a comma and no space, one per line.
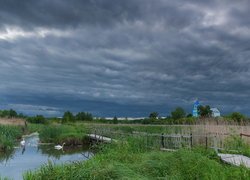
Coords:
178,113
236,116
38,119
68,117
84,116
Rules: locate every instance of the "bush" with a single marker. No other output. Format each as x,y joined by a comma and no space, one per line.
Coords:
178,113
236,116
82,116
115,120
39,119
68,117
8,113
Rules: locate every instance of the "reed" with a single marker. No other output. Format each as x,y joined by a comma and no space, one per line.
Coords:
8,136
132,160
58,133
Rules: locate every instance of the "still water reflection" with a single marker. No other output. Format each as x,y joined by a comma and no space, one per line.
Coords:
32,156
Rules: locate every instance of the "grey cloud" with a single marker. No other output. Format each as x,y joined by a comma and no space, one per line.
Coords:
125,57
45,13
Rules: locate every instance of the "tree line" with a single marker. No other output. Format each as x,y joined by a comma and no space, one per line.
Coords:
205,111
40,119
10,114
177,116
81,116
68,117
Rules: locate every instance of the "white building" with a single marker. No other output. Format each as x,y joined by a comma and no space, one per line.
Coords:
215,112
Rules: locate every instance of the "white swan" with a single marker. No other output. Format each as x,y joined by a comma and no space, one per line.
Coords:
58,147
22,143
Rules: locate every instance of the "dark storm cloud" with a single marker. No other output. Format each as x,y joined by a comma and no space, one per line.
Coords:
124,58
61,14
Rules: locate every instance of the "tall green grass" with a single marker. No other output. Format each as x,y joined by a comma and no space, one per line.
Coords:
58,133
132,160
8,136
237,144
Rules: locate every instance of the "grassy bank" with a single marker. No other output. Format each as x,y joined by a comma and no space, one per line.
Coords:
71,134
132,160
8,136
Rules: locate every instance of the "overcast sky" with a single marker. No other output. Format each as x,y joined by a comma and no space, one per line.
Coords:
124,57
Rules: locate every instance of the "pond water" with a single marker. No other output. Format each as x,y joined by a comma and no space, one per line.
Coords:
32,156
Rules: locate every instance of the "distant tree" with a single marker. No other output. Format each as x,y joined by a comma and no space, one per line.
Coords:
12,113
21,115
204,111
237,116
68,117
38,119
115,120
5,113
178,113
8,113
153,115
189,115
82,116
88,116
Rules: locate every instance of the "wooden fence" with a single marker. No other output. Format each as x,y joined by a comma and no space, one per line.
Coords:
169,141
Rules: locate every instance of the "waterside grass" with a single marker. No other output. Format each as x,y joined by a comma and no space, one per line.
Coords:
237,145
57,133
132,160
8,136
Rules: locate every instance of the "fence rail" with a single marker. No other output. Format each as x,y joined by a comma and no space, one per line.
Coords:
170,141
246,135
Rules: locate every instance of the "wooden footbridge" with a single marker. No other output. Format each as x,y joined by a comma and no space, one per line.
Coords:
100,138
235,159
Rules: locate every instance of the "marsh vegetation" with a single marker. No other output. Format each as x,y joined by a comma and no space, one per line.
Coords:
9,136
130,159
137,153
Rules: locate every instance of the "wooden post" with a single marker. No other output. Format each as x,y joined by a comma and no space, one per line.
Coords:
191,140
162,140
181,141
206,141
96,139
215,144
